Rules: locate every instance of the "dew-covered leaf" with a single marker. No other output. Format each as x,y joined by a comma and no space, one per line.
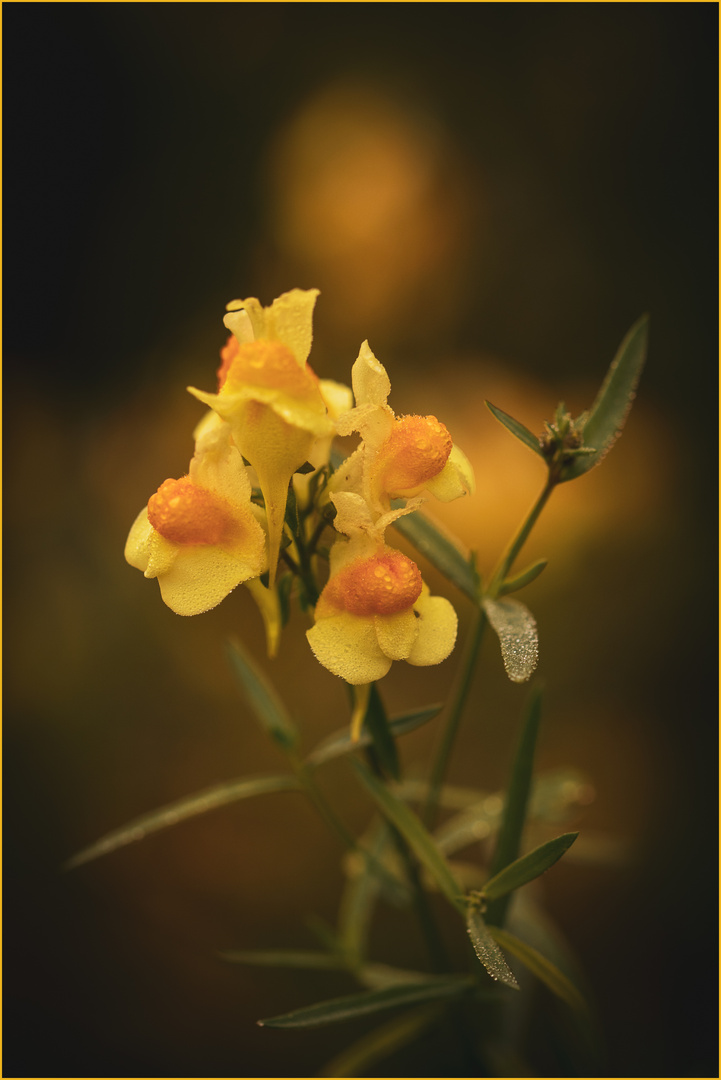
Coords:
340,742
261,696
188,807
518,635
517,428
414,832
610,409
542,968
528,867
487,950
371,1001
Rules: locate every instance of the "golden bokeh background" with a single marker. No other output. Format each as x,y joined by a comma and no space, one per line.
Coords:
491,194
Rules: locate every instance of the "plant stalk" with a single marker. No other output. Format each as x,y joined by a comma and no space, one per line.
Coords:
468,664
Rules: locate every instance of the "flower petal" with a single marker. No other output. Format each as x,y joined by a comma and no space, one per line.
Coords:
201,576
437,629
348,646
371,385
288,319
455,479
397,633
137,546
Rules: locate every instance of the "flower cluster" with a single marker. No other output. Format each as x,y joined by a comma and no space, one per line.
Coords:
260,493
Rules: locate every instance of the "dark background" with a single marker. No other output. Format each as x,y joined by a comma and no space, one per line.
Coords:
492,194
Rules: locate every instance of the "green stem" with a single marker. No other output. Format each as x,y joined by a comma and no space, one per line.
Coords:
512,551
336,826
468,664
458,701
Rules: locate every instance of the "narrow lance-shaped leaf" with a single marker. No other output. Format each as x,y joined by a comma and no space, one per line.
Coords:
528,867
414,832
516,802
175,812
610,409
261,696
371,1001
517,428
524,578
487,950
386,1039
542,968
340,742
518,635
382,741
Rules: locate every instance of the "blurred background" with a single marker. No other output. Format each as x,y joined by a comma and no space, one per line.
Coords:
491,194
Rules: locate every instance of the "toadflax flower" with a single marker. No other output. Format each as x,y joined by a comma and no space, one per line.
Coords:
376,609
270,397
399,457
200,535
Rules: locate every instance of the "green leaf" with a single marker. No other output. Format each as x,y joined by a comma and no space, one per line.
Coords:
518,429
516,803
610,409
379,976
188,807
290,958
542,968
382,740
524,578
340,742
261,697
371,1001
518,635
528,867
440,550
359,1058
487,950
414,832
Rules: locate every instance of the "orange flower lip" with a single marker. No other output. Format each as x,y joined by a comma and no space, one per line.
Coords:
269,364
385,584
184,513
416,450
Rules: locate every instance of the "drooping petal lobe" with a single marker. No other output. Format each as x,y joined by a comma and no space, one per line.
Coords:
437,629
348,646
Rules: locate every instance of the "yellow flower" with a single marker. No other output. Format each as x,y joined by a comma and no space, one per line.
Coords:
270,397
399,456
200,535
376,609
